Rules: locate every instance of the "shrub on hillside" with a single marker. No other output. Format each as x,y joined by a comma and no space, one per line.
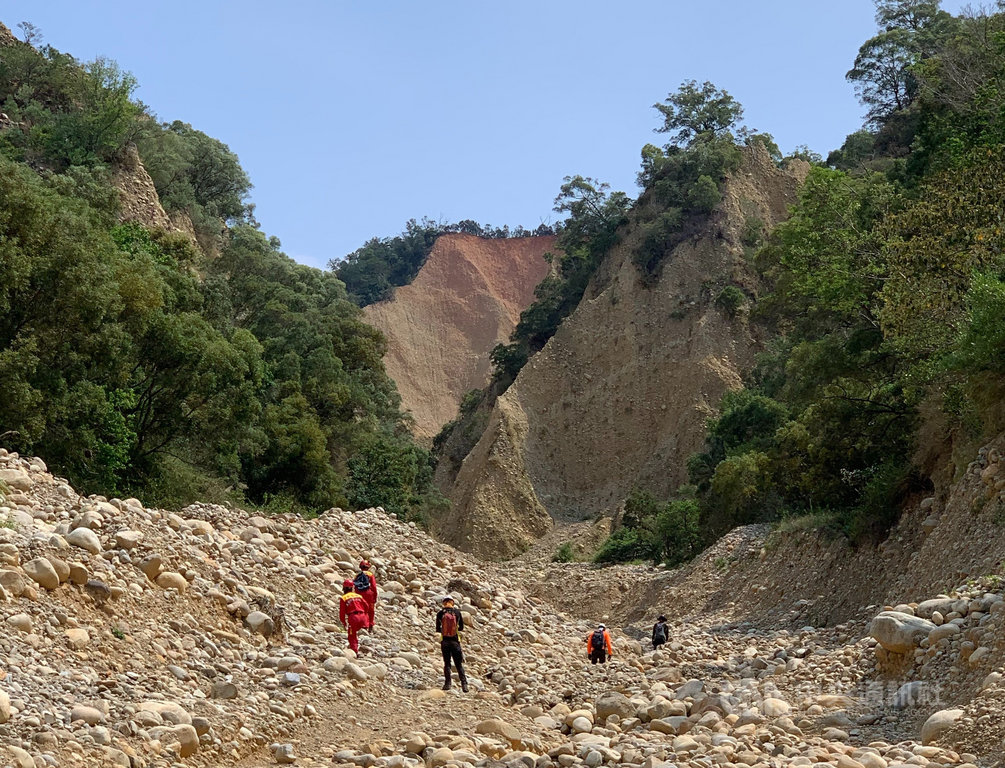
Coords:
564,554
730,300
650,529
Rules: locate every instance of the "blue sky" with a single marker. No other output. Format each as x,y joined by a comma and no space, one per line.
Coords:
352,117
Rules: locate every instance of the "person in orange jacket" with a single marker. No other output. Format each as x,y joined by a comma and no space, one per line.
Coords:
598,645
369,594
353,613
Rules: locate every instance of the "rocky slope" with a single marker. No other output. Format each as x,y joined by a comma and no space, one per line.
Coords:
139,201
139,637
619,397
440,329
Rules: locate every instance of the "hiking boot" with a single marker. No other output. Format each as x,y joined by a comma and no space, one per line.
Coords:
464,687
446,687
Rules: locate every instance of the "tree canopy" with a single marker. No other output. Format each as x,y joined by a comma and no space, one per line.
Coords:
138,362
694,112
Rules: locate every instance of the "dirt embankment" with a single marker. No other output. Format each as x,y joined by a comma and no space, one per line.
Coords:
620,396
440,329
791,578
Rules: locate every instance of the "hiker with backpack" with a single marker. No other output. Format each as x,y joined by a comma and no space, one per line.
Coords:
353,613
661,632
365,584
598,645
450,624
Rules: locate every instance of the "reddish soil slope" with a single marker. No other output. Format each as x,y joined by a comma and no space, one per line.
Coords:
440,329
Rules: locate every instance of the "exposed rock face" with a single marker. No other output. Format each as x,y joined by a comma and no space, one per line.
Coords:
620,395
138,199
494,480
7,37
440,329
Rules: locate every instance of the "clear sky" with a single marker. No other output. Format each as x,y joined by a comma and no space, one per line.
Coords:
352,117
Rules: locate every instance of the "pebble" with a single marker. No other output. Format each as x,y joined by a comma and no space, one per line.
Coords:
77,638
90,715
283,754
20,622
172,580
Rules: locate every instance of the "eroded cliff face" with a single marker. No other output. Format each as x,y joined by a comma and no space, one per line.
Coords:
619,397
6,37
494,482
467,298
139,201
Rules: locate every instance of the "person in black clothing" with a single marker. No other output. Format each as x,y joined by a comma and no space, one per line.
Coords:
661,632
450,624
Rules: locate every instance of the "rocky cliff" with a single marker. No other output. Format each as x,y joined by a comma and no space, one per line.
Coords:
440,329
139,201
6,36
619,397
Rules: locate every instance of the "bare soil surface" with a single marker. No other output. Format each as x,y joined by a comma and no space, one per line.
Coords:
467,298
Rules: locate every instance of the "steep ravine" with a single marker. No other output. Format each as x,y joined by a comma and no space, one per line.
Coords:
440,329
619,397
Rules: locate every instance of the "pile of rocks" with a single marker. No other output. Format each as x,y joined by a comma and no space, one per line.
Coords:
141,637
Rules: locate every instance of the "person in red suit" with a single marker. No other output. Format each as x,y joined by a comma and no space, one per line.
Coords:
353,613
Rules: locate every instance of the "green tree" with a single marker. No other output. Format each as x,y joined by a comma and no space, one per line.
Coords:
386,473
662,531
883,73
64,113
935,246
825,262
371,273
980,345
698,111
858,148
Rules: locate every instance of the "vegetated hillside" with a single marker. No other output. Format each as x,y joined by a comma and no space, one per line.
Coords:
440,329
152,339
619,397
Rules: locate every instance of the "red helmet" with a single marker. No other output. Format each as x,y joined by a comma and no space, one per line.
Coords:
347,585
364,565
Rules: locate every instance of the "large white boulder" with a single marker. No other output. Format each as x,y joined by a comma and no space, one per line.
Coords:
938,724
899,632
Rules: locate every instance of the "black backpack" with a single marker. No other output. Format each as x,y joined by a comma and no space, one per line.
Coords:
361,583
597,641
659,633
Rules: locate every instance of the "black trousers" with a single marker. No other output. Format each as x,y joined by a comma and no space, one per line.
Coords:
598,657
451,649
